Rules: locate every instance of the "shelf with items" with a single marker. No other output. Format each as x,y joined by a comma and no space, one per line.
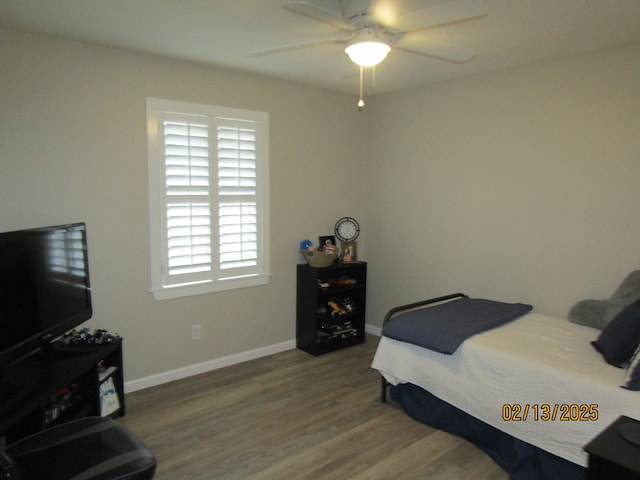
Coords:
105,372
330,307
52,387
68,403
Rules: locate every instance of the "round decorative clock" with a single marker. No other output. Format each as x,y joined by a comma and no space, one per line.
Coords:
347,229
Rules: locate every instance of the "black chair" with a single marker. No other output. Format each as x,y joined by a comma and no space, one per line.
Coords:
92,448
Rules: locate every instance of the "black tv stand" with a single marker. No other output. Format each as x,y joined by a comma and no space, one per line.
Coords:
50,387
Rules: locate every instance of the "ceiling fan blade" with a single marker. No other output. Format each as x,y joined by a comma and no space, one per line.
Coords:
442,14
451,53
318,10
299,46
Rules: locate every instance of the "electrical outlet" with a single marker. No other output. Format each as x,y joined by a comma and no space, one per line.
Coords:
196,332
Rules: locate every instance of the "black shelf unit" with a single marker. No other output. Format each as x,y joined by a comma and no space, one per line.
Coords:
321,328
51,387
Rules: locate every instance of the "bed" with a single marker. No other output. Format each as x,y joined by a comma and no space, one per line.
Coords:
530,392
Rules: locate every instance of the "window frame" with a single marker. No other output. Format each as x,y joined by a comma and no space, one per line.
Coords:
156,109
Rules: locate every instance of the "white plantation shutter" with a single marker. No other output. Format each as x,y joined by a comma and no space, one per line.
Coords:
237,214
208,197
238,235
188,238
188,222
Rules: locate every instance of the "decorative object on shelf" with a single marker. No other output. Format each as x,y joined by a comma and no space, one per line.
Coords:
349,252
326,252
315,256
336,307
348,305
319,259
327,241
306,245
84,339
109,402
347,229
327,244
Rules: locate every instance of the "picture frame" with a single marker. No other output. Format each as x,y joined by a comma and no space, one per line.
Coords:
349,252
328,244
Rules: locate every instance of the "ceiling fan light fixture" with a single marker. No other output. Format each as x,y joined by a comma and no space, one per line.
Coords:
367,54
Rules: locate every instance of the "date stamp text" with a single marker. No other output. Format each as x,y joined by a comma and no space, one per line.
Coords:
546,412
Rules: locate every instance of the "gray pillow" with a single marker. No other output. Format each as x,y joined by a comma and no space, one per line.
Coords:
597,313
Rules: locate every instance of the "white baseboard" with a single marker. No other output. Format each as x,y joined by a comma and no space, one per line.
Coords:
377,331
184,372
207,366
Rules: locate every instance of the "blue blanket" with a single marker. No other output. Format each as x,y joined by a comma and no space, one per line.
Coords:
445,326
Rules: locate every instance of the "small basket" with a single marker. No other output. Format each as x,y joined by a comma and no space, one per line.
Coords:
319,259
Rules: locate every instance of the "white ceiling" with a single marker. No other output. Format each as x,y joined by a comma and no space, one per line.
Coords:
223,32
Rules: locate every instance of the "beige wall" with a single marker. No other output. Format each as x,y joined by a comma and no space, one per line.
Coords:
517,185
73,148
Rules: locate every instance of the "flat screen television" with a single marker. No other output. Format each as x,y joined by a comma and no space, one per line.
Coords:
44,287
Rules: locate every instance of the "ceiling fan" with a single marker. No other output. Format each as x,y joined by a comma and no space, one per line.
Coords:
387,21
371,28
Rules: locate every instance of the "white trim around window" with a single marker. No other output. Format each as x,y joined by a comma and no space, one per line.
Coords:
208,198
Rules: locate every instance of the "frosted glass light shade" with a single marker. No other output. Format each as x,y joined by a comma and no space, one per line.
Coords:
367,54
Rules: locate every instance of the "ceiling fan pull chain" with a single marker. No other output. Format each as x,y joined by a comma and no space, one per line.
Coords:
361,101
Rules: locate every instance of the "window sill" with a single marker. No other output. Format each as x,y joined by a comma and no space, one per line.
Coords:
178,291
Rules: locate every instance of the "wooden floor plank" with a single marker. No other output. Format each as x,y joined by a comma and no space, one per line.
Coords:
292,415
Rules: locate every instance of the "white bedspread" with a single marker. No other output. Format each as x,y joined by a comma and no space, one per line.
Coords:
532,361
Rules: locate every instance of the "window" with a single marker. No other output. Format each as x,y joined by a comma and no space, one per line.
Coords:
208,198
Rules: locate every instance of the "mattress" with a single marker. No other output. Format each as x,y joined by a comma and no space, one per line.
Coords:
536,378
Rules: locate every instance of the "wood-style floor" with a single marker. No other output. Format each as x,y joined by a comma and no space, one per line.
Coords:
290,416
